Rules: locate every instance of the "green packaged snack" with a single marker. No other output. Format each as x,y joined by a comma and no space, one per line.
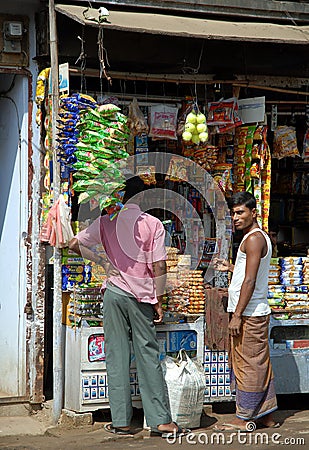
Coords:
103,152
101,163
82,176
82,185
84,197
90,137
84,156
84,147
108,109
106,200
121,117
86,167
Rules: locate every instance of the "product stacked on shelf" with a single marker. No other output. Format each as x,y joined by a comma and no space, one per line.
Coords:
274,272
172,259
98,275
85,307
217,373
288,290
204,155
74,270
188,296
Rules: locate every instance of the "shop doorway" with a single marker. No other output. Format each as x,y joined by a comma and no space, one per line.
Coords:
13,231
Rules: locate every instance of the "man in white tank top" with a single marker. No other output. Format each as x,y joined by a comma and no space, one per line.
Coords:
251,371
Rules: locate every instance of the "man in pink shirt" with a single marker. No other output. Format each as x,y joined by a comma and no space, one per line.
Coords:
134,243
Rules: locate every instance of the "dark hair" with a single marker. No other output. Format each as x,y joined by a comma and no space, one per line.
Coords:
273,227
243,198
134,185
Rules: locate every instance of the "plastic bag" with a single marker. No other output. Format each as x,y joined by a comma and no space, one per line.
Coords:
285,142
185,382
136,120
163,122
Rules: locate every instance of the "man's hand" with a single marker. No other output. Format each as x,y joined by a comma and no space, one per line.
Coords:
110,270
234,325
158,313
222,265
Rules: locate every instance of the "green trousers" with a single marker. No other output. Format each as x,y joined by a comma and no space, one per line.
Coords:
125,319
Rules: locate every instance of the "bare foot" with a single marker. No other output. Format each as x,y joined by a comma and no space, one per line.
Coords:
234,425
268,421
168,427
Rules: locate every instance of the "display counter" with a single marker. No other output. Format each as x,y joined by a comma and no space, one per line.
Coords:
86,384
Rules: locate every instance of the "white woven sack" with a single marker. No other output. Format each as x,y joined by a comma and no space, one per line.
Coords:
185,382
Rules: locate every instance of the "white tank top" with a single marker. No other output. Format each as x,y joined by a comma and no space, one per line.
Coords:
258,304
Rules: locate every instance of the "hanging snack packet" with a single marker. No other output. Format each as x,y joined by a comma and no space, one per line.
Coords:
86,167
176,171
222,112
285,142
108,110
163,122
136,120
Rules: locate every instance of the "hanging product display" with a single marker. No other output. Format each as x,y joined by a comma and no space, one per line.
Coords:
40,94
163,122
59,231
222,175
69,116
147,174
137,123
195,128
252,167
205,155
47,195
177,170
101,147
94,142
285,142
223,115
305,153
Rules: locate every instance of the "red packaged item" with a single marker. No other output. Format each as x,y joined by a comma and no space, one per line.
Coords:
222,112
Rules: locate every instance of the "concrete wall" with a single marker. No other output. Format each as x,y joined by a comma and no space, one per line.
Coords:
19,184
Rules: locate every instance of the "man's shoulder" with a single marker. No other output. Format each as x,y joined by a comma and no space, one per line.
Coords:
151,218
256,240
258,235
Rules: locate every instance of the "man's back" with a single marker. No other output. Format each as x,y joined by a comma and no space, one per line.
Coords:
133,241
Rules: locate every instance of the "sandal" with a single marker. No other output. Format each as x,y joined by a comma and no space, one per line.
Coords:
168,434
119,431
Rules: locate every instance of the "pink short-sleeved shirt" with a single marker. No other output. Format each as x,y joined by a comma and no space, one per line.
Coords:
132,241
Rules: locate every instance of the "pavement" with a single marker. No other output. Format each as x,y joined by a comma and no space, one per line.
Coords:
36,432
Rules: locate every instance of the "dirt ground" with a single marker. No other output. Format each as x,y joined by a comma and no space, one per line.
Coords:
293,432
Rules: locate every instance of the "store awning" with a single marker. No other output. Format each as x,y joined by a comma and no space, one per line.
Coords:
189,27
